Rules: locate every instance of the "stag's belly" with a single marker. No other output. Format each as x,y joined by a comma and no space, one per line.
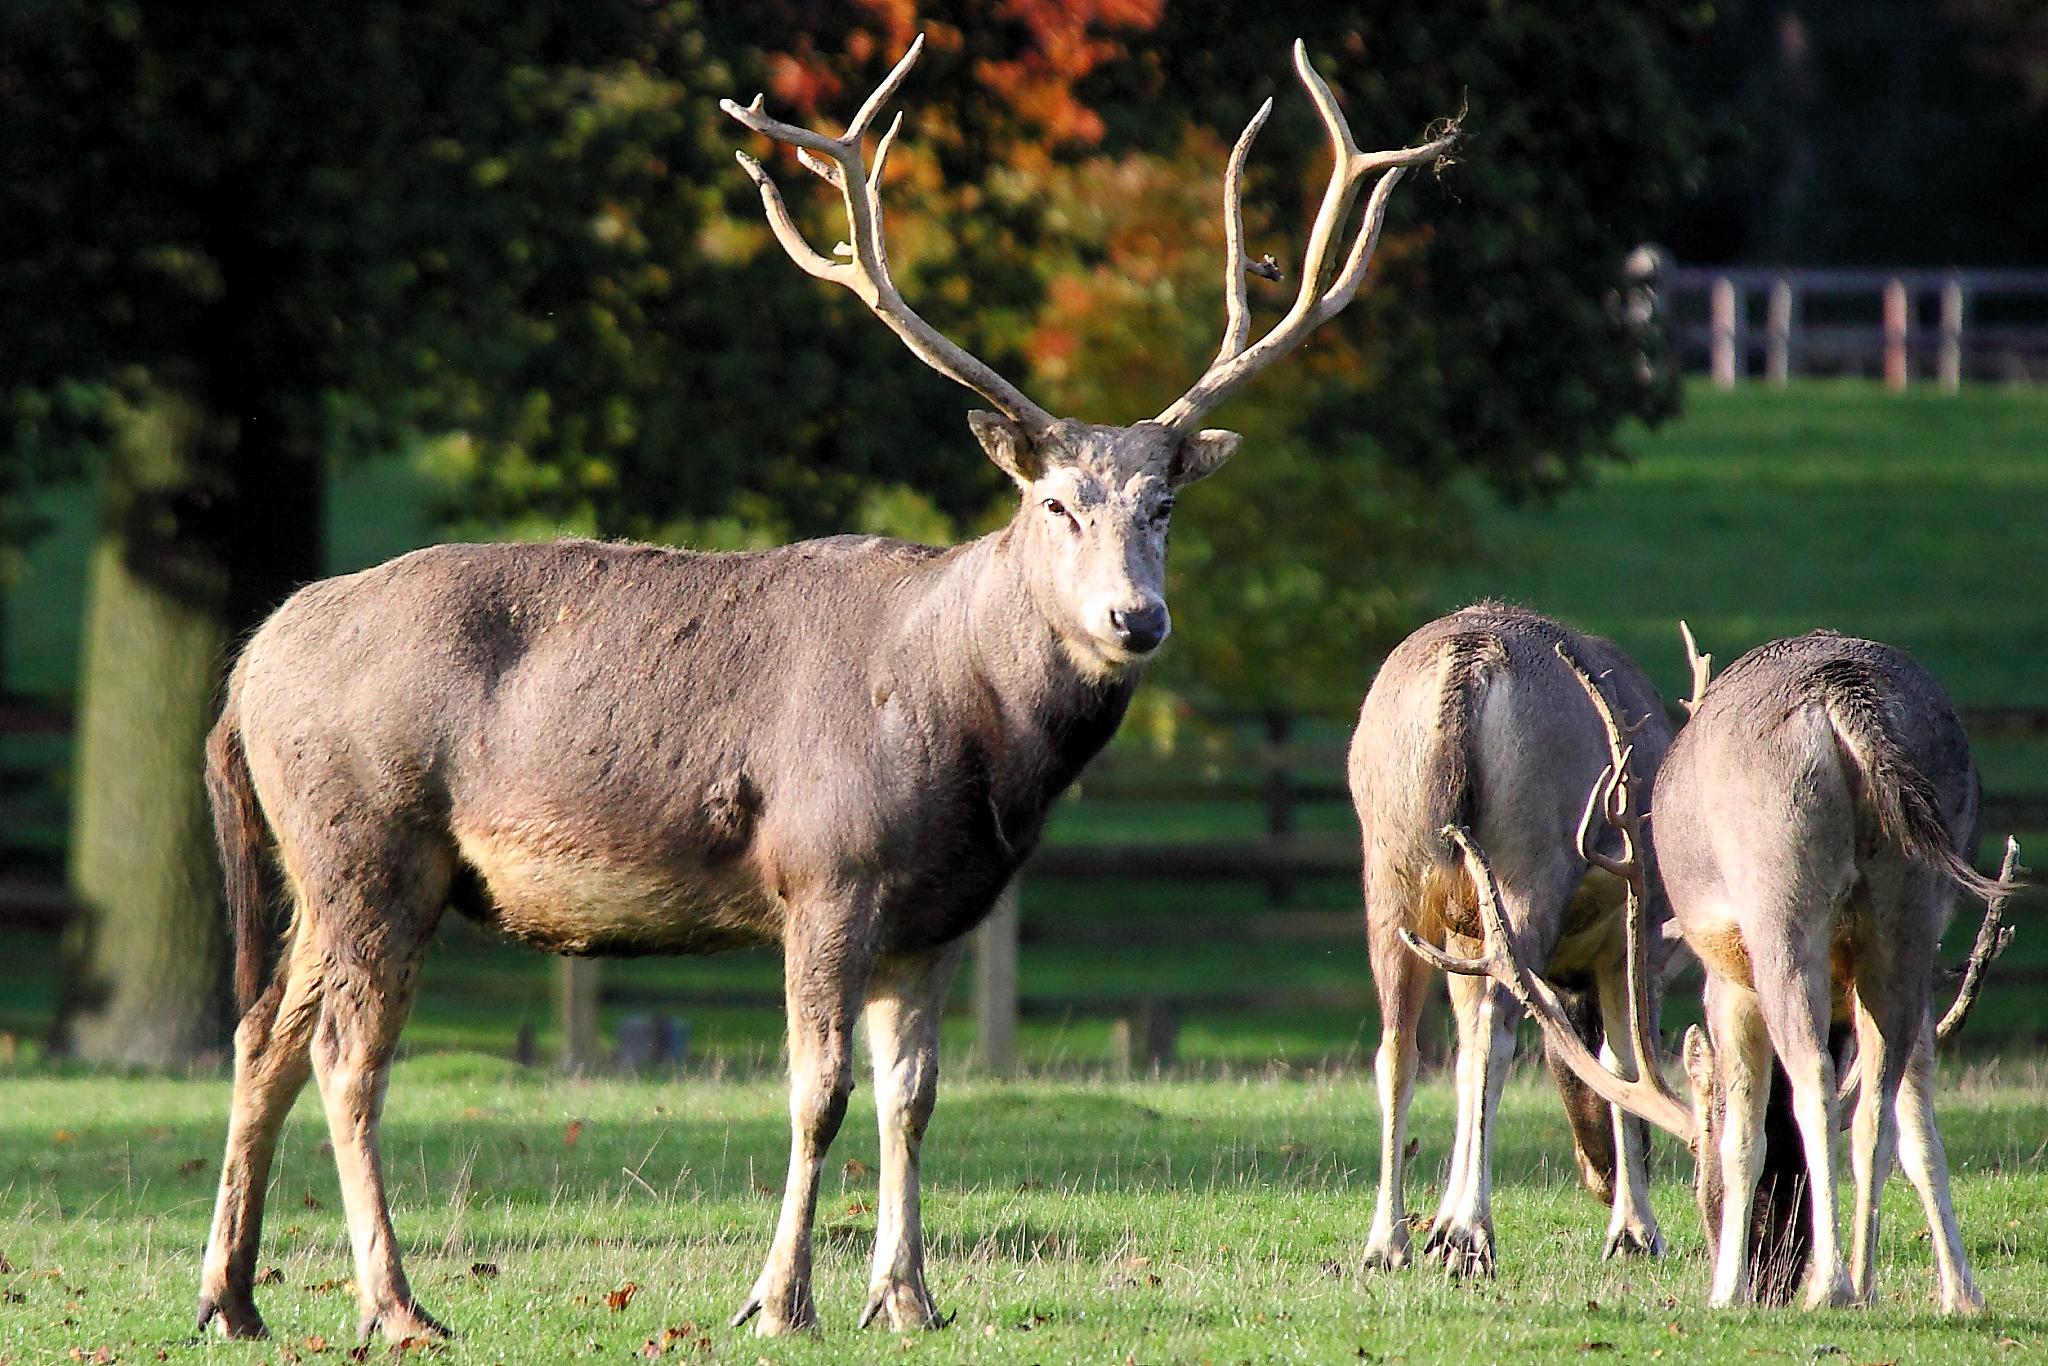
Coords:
581,901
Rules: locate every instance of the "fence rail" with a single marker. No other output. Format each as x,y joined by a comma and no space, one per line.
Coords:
1278,774
1947,326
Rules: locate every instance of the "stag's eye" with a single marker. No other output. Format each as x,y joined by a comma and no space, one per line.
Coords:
1054,507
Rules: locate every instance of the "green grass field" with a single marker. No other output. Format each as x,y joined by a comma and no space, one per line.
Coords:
1218,1220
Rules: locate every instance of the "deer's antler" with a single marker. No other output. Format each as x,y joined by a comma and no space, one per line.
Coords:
866,269
1702,668
1992,937
1647,1096
1315,301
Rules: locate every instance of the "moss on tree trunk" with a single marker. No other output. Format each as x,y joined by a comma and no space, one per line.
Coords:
146,949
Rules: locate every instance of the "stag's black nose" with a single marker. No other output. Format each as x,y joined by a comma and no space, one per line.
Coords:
1139,629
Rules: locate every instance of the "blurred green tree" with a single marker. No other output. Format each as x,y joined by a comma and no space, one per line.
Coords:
242,241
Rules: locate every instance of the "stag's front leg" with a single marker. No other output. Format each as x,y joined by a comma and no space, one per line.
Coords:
905,1000
1632,1228
828,951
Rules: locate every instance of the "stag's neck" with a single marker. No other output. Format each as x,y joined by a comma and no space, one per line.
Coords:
984,616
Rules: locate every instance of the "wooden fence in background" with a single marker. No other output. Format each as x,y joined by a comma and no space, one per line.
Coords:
1276,774
1944,326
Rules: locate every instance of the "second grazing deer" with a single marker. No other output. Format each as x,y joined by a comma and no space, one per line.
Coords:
1481,719
1811,825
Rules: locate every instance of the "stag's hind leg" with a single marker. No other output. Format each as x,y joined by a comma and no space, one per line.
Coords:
1462,1235
371,916
827,955
1792,994
272,1062
1926,1166
1632,1226
1398,978
905,1000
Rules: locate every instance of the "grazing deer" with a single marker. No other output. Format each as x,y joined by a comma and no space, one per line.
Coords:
1811,827
1476,721
846,747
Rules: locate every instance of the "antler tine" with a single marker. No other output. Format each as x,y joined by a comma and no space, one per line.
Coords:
1237,325
1647,1096
1314,302
1702,666
1992,938
866,273
1614,794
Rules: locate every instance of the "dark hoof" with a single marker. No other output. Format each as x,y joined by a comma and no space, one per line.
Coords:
236,1317
401,1324
1464,1251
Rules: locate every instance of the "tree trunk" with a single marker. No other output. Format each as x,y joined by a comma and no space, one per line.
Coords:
145,954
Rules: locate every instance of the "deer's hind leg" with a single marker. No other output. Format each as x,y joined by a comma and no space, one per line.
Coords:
1888,1006
906,998
1398,978
371,913
1926,1166
272,1062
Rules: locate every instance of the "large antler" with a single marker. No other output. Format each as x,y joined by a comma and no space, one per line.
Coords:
1647,1096
1702,666
866,269
1315,302
1992,937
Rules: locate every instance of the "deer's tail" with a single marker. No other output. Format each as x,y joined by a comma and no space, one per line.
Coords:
1447,764
1901,796
238,830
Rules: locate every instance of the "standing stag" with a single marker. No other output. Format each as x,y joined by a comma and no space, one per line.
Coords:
1478,720
846,747
1812,823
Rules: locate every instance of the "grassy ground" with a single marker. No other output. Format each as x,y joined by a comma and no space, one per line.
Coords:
1070,1221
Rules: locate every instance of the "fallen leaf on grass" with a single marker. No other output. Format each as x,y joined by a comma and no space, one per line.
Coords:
6,1267
855,1168
572,1133
192,1166
616,1300
859,1206
270,1275
483,1271
1596,1347
311,1201
316,1344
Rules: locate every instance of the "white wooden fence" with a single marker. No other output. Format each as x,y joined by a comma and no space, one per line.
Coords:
1941,326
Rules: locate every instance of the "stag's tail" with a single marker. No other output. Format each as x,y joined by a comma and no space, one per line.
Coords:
238,831
1447,764
1900,795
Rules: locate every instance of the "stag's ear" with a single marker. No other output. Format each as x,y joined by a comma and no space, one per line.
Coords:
1699,1061
1202,454
1006,444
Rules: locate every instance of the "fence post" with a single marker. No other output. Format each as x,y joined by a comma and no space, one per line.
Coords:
1897,312
1778,326
1280,799
1724,344
1949,364
576,992
995,984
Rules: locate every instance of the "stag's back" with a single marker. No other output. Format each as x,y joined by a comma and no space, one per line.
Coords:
1474,720
1812,766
